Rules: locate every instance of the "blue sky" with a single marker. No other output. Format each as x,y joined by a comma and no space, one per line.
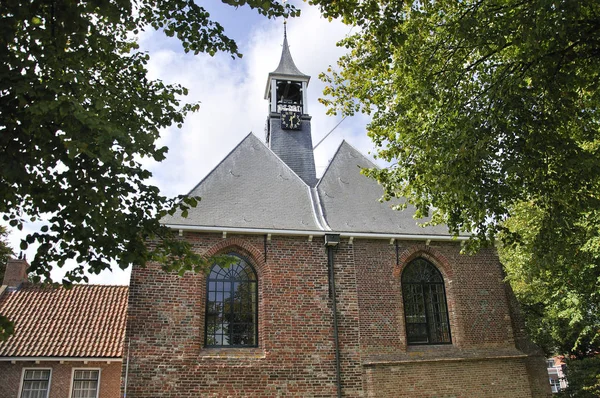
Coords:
231,96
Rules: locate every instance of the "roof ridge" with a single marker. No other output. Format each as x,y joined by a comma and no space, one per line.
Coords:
221,162
335,155
283,163
75,285
360,153
330,162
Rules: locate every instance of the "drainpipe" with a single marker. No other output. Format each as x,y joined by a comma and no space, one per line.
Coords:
331,241
127,368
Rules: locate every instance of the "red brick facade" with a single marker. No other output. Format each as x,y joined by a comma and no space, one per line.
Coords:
296,355
15,272
61,380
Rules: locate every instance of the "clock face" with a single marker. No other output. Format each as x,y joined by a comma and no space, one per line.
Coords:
290,120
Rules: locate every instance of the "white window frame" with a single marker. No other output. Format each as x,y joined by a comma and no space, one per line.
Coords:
23,380
99,370
555,387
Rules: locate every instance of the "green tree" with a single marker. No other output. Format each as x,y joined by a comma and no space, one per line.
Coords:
481,106
6,327
77,113
583,377
559,296
5,251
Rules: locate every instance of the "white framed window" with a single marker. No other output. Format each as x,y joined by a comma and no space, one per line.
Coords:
555,385
86,383
35,383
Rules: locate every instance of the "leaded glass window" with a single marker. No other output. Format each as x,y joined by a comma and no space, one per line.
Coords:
425,307
232,305
85,383
36,383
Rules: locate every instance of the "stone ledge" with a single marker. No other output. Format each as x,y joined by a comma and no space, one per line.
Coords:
453,355
232,353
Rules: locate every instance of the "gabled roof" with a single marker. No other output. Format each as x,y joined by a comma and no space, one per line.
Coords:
350,200
87,321
251,188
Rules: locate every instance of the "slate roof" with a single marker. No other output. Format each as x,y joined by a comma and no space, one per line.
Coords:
87,321
350,200
286,66
286,69
251,188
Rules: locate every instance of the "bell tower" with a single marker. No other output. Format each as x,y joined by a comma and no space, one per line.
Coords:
288,131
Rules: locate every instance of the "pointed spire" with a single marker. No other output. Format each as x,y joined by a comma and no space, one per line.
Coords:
286,70
286,63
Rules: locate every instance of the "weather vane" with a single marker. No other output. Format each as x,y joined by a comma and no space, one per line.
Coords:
283,2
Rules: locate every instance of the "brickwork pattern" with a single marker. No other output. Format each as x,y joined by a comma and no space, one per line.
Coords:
456,379
477,302
15,272
61,377
296,354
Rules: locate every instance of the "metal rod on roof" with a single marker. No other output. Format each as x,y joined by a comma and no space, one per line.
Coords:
331,131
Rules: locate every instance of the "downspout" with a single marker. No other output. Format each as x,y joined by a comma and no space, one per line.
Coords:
126,368
331,241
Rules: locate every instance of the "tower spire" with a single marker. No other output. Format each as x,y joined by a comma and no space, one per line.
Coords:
288,131
286,63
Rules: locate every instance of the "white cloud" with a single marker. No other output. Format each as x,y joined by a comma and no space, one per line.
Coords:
231,93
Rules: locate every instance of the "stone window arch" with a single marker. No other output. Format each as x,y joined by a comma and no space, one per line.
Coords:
231,317
425,305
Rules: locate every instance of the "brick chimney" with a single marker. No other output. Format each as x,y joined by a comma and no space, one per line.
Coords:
15,273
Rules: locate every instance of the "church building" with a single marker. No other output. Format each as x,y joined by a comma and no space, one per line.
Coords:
332,293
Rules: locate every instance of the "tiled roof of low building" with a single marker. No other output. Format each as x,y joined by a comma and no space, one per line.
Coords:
87,321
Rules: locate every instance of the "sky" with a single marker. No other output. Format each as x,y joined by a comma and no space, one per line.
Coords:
231,96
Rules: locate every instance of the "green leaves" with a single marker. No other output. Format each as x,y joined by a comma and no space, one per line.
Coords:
583,377
559,286
5,251
77,111
481,106
7,328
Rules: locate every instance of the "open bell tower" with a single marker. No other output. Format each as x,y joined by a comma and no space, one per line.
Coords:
288,130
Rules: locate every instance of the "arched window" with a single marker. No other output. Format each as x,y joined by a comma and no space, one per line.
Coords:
425,308
232,305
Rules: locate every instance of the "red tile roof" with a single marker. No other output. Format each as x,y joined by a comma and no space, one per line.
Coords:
85,321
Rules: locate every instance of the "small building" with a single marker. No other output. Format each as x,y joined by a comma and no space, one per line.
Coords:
556,374
331,293
66,343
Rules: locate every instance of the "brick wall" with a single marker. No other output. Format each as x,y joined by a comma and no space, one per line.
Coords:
456,379
15,272
61,377
296,354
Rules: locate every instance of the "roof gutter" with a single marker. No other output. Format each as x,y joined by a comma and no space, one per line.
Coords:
60,359
292,232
